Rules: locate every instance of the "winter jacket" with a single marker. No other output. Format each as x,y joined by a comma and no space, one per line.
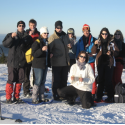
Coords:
121,54
87,75
59,49
72,51
114,52
39,60
17,48
80,47
35,35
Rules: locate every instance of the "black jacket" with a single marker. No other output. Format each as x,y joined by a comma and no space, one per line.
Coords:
39,60
17,48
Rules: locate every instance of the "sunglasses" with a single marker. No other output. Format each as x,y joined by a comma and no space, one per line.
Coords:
117,34
85,28
104,34
21,25
83,57
46,33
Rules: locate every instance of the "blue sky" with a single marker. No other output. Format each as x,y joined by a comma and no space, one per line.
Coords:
73,14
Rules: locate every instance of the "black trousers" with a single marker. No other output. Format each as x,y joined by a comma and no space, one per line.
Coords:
26,84
70,91
15,75
59,78
105,74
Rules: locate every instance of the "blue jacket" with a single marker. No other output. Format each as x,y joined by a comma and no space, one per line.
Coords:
80,47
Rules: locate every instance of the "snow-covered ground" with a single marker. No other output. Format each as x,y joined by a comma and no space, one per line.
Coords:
59,112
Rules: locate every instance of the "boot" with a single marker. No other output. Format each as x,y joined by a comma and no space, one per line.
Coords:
17,90
35,92
9,91
8,101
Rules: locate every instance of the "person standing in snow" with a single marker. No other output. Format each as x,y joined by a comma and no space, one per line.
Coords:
34,33
85,43
119,40
18,43
81,78
72,51
105,64
59,44
40,64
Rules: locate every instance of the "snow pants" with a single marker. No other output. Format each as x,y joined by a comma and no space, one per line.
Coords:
14,75
59,78
117,73
94,87
105,74
71,91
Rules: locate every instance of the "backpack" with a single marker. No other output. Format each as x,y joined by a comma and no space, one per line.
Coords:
119,96
28,55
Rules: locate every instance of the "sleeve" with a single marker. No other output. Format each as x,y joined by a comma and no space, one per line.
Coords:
36,50
74,48
77,48
71,73
94,49
8,41
90,79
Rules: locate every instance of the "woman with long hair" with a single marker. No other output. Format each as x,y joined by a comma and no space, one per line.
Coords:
81,78
119,40
105,63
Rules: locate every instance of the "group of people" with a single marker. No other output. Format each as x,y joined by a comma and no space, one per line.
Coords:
64,54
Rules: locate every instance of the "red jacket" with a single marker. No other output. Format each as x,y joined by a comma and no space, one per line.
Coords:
35,35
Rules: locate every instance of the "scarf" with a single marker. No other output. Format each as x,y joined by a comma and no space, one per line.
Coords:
19,34
80,65
86,40
118,43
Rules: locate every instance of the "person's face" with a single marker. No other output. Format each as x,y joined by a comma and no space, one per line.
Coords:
82,58
58,29
86,33
104,34
45,35
70,35
20,27
32,26
117,35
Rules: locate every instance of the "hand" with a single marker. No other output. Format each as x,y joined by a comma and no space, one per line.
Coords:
44,48
96,42
72,78
31,32
14,35
108,53
80,79
51,55
69,45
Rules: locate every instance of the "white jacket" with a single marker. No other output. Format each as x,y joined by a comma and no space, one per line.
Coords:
86,73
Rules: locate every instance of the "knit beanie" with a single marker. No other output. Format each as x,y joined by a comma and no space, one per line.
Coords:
21,22
58,24
71,31
86,27
44,30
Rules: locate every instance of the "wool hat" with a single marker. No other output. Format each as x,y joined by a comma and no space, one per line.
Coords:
21,22
44,30
86,27
71,31
58,24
